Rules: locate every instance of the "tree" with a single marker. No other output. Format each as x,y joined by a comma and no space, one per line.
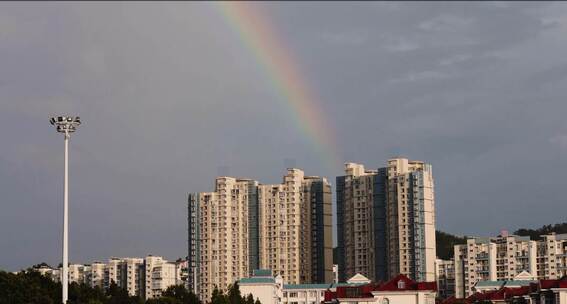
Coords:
445,244
163,300
180,293
42,264
119,295
82,293
218,297
249,299
28,287
234,296
535,234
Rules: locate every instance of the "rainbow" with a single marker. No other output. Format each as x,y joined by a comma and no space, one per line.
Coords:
260,37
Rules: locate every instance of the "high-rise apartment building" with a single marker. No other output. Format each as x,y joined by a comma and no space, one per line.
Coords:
243,226
410,214
361,223
295,228
223,235
386,221
508,257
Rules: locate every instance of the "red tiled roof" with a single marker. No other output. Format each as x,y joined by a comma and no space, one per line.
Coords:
392,285
365,291
330,295
547,284
503,293
409,284
506,293
453,300
517,292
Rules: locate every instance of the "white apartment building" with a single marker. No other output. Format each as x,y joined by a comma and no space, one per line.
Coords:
163,276
295,228
220,245
95,276
551,263
263,286
386,221
445,271
145,277
133,276
160,274
113,272
53,274
181,268
77,273
410,218
507,258
243,225
361,226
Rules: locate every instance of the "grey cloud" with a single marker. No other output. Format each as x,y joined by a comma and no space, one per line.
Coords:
169,94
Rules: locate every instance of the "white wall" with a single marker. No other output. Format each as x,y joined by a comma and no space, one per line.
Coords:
266,293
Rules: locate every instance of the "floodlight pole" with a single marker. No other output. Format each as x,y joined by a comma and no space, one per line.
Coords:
65,125
65,275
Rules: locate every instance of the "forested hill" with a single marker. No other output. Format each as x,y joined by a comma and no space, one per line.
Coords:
446,241
535,234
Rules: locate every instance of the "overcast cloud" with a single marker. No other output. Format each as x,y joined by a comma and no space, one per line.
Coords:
170,97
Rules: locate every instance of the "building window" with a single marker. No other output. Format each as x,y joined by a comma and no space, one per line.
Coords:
401,284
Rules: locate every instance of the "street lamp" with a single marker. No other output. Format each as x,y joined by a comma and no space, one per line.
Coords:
66,125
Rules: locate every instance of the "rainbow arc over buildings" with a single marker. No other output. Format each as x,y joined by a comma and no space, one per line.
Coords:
260,36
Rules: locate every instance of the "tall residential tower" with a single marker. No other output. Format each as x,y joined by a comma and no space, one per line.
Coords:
295,228
243,226
386,221
222,239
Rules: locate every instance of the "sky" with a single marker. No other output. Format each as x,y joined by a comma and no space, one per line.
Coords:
173,94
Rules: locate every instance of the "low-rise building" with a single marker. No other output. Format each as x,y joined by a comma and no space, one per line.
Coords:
182,270
538,292
508,257
445,276
94,277
400,289
163,276
113,272
132,276
52,273
271,289
144,277
77,273
262,285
